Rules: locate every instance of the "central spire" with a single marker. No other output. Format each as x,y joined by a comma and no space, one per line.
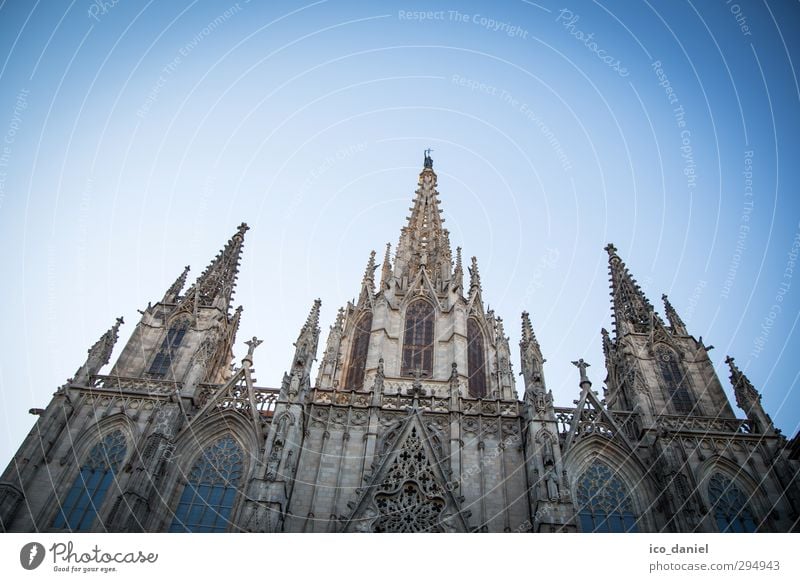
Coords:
215,286
424,243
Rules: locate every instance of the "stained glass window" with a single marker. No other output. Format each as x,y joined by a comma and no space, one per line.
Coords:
675,381
476,362
162,363
604,502
729,505
418,339
358,353
208,498
85,497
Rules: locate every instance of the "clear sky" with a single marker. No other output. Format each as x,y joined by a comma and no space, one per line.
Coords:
135,137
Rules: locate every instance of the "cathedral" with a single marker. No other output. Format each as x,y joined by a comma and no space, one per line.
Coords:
414,422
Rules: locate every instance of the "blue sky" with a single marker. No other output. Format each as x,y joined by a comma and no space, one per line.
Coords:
137,136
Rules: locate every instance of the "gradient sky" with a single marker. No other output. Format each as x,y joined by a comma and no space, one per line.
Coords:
137,136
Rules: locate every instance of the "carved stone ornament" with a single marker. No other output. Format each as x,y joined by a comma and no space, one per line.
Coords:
409,492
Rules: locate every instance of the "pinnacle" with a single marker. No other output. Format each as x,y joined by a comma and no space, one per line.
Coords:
312,321
369,272
171,296
386,267
474,274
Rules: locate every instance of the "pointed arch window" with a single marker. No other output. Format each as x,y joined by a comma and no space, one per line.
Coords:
604,501
162,363
358,352
729,504
675,381
209,495
90,487
418,339
476,360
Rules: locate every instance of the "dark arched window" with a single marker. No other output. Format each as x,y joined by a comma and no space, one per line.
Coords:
476,360
604,504
208,497
86,495
358,352
729,505
674,380
162,363
418,339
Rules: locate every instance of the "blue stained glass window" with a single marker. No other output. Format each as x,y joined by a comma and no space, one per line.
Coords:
208,498
162,363
79,508
675,380
603,501
729,504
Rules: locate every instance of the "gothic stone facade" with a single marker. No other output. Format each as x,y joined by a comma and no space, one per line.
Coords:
413,422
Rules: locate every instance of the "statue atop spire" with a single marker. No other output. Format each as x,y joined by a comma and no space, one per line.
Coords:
428,159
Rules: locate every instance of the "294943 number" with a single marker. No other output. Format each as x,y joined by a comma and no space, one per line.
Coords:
745,565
